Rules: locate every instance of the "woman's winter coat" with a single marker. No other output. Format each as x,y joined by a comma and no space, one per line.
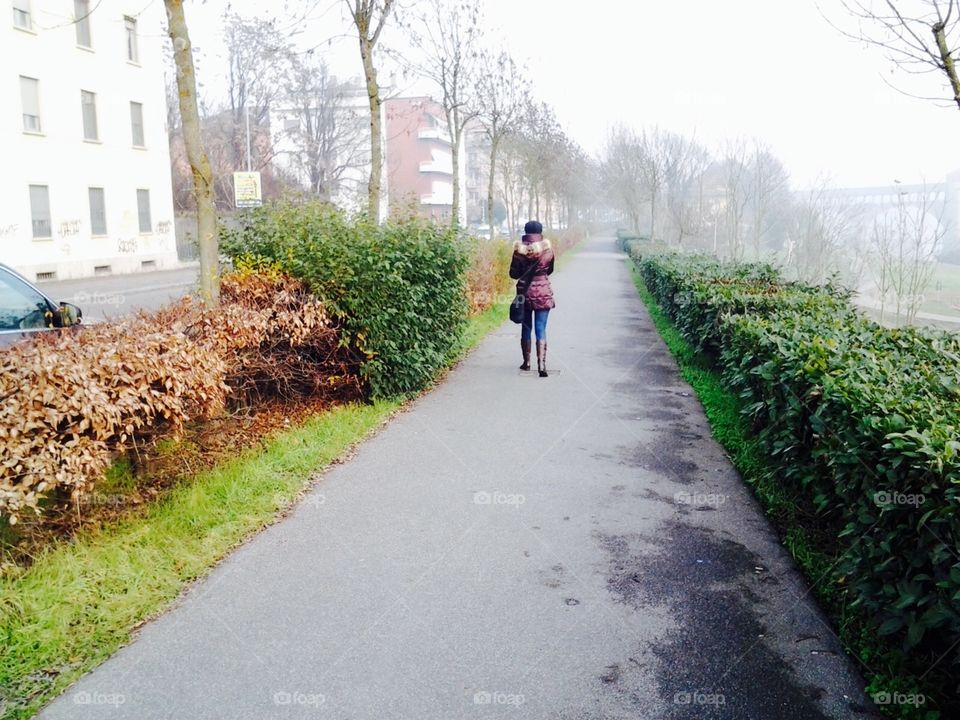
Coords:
531,265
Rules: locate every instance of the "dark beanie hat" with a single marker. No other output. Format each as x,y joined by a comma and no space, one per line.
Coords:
533,228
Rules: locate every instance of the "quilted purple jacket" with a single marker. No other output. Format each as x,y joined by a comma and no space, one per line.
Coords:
531,266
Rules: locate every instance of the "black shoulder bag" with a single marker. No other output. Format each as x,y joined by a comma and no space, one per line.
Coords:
516,307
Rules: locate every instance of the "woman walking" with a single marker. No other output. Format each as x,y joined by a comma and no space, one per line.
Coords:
531,266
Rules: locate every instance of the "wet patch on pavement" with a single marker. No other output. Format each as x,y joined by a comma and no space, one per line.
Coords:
716,663
665,460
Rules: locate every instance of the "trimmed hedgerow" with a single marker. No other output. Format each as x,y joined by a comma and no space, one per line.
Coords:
397,289
861,422
71,402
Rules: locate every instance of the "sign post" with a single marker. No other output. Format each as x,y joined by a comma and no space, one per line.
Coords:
246,189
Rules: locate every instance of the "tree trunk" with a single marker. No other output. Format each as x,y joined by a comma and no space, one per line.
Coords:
376,151
199,163
949,66
456,136
494,142
653,215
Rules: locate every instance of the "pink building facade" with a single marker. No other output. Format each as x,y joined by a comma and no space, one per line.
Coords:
419,156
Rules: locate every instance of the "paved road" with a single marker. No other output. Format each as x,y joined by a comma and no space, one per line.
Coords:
947,322
110,296
571,548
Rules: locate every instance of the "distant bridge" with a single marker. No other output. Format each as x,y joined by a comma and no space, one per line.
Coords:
941,200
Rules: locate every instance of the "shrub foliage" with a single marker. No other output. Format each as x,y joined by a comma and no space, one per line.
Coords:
70,402
398,289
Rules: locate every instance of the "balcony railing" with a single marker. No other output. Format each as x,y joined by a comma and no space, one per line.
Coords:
444,165
435,133
442,195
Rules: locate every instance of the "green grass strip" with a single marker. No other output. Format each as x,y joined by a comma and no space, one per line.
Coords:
79,602
480,326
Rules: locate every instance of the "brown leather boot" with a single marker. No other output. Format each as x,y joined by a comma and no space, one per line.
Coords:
525,346
542,358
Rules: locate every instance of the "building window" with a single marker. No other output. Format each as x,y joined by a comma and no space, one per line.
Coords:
136,124
30,97
81,21
132,53
40,211
98,212
88,102
143,210
21,14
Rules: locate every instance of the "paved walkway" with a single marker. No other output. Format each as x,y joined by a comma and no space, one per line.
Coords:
575,548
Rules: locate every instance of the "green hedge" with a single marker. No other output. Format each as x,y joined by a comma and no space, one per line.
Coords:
697,291
860,421
632,243
398,289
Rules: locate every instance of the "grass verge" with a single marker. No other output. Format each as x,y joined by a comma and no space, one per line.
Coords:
80,601
883,668
480,326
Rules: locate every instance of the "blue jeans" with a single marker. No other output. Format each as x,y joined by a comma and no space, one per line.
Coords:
534,319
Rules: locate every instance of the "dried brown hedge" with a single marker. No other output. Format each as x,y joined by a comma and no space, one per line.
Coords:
70,402
488,278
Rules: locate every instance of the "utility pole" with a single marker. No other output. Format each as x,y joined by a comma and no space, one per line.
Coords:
246,111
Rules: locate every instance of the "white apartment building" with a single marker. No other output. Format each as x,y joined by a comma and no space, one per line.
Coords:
86,185
290,133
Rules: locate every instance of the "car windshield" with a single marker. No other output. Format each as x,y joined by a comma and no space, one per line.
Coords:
21,307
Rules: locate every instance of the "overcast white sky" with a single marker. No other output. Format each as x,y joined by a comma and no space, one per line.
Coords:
774,69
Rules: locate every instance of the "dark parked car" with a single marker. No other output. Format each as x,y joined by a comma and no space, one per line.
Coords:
24,309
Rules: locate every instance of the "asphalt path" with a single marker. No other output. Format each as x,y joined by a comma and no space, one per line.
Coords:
570,548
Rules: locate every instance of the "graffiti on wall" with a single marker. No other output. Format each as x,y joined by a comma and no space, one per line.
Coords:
126,246
8,230
69,228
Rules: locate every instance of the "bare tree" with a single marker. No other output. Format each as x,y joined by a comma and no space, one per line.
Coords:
568,171
623,173
919,36
259,60
769,194
502,95
882,253
514,186
447,35
687,161
737,195
327,135
820,227
541,146
904,249
203,180
540,164
369,18
659,150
